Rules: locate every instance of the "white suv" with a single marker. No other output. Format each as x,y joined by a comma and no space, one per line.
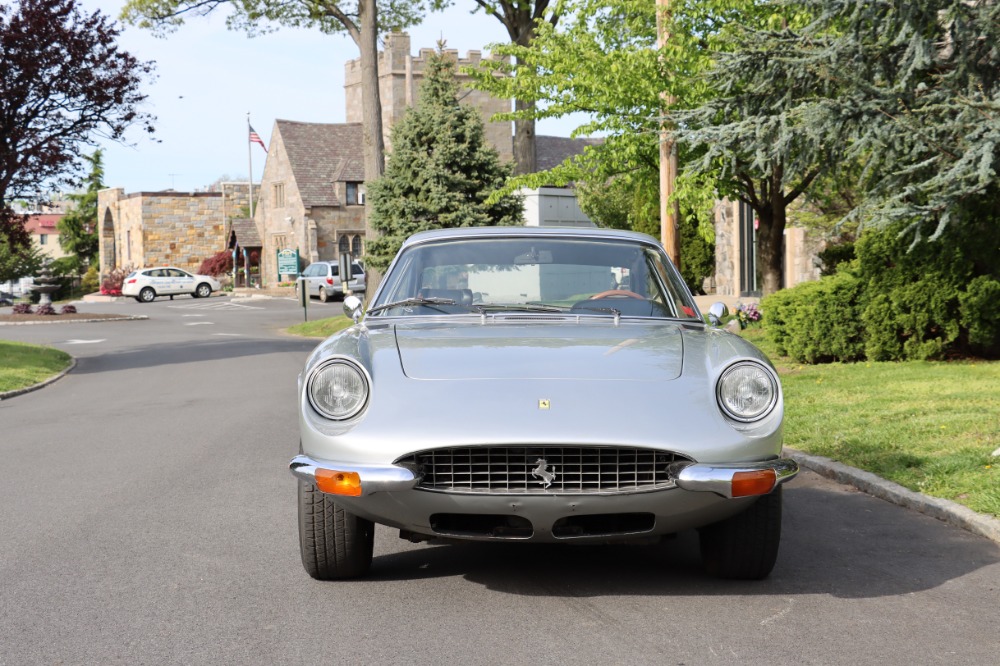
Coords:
146,284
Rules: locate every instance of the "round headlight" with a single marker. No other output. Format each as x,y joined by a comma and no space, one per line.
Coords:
747,392
338,390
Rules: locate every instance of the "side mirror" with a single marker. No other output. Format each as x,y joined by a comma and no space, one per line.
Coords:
352,308
717,312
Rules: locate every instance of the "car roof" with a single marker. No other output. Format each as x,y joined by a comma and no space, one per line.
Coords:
522,232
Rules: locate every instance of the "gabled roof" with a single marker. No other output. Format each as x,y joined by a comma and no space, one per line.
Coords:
246,234
42,224
321,154
550,151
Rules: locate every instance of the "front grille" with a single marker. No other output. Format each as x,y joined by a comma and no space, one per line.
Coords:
538,470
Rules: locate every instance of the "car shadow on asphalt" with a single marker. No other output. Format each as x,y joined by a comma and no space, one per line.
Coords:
835,541
197,352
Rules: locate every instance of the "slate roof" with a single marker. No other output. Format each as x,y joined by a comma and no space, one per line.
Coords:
551,151
321,154
246,233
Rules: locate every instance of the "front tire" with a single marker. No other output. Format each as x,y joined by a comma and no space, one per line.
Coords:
334,543
203,290
147,295
744,546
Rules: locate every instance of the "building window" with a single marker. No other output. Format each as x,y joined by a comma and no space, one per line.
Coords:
128,246
356,247
355,194
43,239
344,245
278,192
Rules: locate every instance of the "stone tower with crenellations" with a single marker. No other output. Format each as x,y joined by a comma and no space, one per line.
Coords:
400,75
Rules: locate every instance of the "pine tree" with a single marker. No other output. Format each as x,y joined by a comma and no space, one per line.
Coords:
440,172
78,228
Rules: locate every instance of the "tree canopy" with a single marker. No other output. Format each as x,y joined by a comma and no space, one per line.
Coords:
441,170
64,82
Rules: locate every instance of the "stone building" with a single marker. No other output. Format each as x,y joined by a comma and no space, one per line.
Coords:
311,194
166,228
400,75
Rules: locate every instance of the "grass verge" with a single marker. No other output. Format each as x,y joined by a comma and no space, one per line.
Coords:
929,426
321,328
23,365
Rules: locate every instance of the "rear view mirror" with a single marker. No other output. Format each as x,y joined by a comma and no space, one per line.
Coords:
534,257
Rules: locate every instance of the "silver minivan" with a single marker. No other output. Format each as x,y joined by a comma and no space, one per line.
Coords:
323,280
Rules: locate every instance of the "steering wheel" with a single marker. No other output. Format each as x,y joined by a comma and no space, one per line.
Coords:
617,293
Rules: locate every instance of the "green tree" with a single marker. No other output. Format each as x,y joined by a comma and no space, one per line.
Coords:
18,261
441,170
908,89
520,18
78,227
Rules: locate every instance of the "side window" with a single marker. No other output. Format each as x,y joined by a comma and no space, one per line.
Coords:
333,270
357,270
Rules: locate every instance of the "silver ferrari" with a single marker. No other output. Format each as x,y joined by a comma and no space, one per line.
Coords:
538,385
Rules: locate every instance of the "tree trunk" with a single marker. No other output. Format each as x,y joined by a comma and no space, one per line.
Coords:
525,157
770,237
371,120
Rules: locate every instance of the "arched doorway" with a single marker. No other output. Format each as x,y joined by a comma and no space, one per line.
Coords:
109,250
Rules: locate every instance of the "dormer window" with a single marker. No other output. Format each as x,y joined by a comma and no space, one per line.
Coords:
355,194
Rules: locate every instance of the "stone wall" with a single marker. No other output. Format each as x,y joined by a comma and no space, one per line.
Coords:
166,228
400,76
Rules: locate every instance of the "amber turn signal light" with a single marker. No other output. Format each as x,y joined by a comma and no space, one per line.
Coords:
746,484
338,483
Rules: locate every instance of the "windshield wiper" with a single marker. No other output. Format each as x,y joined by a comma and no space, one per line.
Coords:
519,307
430,301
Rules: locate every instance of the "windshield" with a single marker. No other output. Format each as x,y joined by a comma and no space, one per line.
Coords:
576,275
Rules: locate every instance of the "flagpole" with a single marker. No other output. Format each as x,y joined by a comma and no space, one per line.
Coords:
250,162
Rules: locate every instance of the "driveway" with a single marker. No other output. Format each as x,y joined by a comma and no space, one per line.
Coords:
148,517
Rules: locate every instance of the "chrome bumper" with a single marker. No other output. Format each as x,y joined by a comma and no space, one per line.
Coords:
718,477
699,477
374,478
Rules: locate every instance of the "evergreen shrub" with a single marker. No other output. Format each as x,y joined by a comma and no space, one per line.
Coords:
979,308
817,322
91,280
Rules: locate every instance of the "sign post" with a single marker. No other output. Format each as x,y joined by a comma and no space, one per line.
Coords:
344,270
288,264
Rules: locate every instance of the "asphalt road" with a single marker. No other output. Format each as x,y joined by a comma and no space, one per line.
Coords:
147,517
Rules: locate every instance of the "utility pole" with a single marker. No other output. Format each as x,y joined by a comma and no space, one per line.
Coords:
669,212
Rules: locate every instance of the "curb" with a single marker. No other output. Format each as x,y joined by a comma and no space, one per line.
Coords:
10,394
950,512
73,321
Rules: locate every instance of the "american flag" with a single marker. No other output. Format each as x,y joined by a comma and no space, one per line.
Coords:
255,138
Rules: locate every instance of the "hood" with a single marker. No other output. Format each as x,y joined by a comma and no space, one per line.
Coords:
633,352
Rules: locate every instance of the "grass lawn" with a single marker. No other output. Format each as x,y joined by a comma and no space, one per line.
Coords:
321,328
24,365
930,427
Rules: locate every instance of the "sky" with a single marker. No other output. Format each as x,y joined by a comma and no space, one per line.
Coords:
208,78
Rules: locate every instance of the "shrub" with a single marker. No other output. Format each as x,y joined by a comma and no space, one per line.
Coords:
23,308
219,263
911,309
46,309
91,281
979,309
112,284
67,309
817,322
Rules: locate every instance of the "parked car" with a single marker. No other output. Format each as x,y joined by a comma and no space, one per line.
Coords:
323,280
6,299
503,386
148,283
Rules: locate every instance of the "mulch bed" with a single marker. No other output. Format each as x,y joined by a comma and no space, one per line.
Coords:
54,319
